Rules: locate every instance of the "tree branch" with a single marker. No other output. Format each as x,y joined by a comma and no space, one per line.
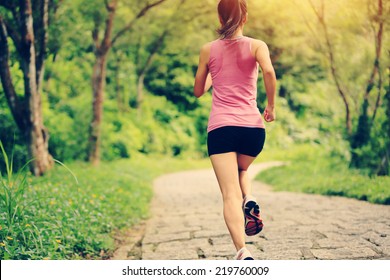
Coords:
11,6
6,78
110,6
311,29
378,48
160,40
15,36
140,14
378,98
340,87
155,47
95,32
106,43
42,41
319,16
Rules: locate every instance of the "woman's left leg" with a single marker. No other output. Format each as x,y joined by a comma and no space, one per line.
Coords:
226,170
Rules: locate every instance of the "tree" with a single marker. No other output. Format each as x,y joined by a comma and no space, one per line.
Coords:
102,48
171,72
27,26
320,13
361,135
180,16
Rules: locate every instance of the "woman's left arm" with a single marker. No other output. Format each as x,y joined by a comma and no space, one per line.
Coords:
203,80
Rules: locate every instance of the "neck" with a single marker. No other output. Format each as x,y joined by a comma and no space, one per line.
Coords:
239,33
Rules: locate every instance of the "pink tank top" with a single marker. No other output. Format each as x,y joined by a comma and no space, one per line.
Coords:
234,72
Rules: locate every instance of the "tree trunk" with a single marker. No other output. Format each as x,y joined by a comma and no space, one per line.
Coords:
320,13
140,90
28,112
363,131
42,42
99,71
37,135
144,68
119,94
98,81
13,100
98,77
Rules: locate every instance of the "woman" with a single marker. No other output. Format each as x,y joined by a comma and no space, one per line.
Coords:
236,132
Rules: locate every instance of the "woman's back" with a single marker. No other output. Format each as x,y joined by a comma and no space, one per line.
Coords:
234,72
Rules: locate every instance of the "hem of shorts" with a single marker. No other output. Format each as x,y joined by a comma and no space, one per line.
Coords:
238,125
219,153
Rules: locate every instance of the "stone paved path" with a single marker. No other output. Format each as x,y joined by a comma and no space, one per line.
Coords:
187,223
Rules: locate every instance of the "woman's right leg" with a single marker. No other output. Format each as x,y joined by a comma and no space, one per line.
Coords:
253,222
244,162
226,169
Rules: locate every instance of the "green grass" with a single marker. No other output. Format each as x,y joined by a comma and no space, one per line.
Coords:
314,169
56,218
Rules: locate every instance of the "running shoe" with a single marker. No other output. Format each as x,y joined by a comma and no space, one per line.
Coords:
243,254
253,222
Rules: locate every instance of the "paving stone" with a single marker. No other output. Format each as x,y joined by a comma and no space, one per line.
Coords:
279,255
345,253
159,238
226,251
183,245
211,233
171,255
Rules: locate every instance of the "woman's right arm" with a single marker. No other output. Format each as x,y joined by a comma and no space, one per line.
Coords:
263,58
203,80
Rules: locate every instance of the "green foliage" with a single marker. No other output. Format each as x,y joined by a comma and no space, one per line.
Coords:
10,137
315,169
174,123
172,77
54,217
370,156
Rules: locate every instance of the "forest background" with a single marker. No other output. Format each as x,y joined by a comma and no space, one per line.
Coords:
110,83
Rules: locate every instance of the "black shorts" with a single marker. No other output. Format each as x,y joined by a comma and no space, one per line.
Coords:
243,140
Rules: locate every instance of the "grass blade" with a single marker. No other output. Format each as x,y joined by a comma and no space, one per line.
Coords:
70,171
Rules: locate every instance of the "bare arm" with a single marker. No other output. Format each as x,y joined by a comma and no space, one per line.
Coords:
263,58
203,80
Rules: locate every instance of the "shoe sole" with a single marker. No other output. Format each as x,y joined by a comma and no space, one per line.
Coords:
253,223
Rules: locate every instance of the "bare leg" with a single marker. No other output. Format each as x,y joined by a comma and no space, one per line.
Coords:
244,162
253,222
225,168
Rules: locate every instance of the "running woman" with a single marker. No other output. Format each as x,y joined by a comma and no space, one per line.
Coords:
236,131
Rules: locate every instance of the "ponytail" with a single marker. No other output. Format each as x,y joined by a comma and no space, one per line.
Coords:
232,14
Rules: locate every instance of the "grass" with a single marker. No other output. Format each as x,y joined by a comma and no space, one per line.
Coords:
313,169
53,217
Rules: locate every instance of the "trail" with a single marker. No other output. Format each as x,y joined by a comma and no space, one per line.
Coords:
187,223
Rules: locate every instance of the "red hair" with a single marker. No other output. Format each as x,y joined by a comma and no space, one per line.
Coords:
232,14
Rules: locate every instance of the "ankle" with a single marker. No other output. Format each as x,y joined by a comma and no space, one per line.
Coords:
249,197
